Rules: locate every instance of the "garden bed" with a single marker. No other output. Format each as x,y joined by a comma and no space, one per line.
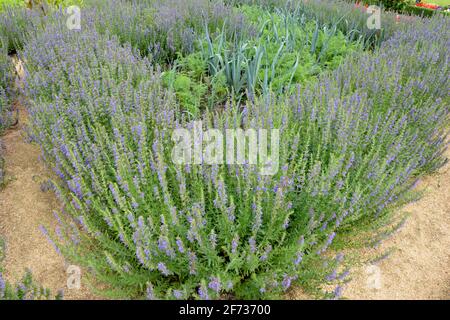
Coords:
361,114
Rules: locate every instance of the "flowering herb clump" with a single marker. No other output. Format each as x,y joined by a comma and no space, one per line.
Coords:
350,141
176,228
164,29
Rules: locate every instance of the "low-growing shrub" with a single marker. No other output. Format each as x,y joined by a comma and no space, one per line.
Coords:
16,24
187,221
350,143
164,28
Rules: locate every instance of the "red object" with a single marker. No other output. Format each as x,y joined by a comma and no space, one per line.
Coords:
427,5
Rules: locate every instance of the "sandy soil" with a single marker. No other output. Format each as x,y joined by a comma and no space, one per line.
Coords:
419,268
23,209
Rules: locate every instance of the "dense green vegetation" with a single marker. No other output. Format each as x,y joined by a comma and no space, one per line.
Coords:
361,113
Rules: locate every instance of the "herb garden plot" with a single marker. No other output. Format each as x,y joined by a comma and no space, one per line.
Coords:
359,119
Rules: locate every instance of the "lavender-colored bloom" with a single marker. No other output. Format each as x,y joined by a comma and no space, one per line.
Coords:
203,293
178,294
75,187
163,269
234,244
230,212
344,275
122,238
298,258
415,184
140,256
114,193
331,237
162,244
350,162
141,222
180,246
252,244
214,284
213,239
266,253
286,223
331,276
338,292
390,160
192,263
49,239
286,283
2,286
